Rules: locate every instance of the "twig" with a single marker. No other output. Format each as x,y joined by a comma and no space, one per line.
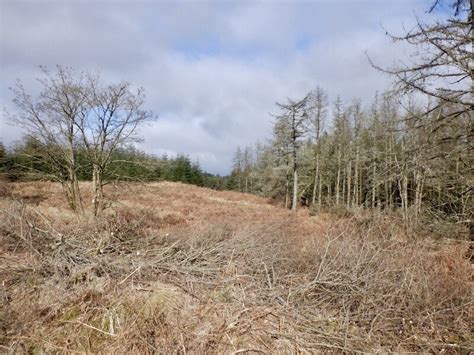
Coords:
134,271
92,327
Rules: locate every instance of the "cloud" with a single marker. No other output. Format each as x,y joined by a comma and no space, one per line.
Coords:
212,70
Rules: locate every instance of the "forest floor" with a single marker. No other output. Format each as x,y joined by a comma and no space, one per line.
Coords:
174,268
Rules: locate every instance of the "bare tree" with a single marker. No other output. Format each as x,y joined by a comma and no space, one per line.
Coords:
281,147
238,167
51,119
444,72
295,114
113,119
247,166
357,117
342,143
75,112
317,110
443,68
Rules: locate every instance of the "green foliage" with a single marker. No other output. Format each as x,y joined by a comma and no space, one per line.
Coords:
27,161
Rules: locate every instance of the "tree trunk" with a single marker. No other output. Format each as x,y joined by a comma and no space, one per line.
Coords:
404,197
295,189
329,195
343,183
98,193
315,183
287,182
374,185
356,179
75,199
390,180
338,178
349,182
419,182
403,186
320,192
73,194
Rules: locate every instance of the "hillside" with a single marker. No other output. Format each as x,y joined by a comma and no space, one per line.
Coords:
174,268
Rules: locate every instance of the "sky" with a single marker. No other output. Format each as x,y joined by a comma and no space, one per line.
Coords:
212,70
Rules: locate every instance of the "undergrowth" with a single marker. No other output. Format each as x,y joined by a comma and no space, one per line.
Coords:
118,285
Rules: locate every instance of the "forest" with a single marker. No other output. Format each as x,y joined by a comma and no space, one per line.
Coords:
25,162
348,228
378,157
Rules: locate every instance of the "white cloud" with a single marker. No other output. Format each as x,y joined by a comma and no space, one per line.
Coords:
211,70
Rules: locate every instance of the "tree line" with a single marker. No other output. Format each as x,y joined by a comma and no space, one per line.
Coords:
359,157
410,150
25,161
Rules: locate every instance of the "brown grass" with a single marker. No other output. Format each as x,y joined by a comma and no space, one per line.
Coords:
173,268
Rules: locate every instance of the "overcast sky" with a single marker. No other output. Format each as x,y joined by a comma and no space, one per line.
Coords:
212,70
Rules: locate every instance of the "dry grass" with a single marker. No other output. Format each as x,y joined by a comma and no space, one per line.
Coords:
173,268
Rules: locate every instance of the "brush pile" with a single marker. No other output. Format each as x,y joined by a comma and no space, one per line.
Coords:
117,285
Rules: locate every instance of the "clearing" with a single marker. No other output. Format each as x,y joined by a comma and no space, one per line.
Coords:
174,268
